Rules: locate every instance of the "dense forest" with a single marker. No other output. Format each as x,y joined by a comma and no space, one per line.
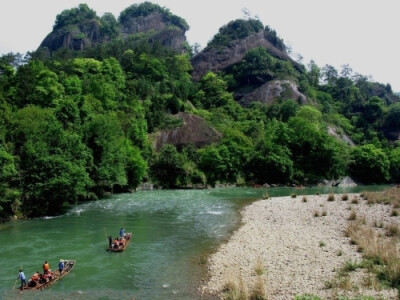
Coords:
75,125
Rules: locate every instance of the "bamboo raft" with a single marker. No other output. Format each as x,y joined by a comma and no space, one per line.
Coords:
68,266
128,237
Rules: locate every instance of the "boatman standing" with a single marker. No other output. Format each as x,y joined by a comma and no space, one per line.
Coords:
122,232
21,276
61,265
110,240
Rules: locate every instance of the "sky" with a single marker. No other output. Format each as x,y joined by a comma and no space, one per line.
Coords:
359,33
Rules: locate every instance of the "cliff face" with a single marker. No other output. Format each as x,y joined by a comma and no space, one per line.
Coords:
274,89
216,59
76,37
195,131
157,27
154,27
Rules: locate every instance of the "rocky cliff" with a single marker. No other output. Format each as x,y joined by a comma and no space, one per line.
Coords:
268,92
77,37
154,26
215,59
158,27
194,131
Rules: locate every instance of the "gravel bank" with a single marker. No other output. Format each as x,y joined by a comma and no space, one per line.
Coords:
299,251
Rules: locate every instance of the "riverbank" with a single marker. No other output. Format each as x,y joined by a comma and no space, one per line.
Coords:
296,246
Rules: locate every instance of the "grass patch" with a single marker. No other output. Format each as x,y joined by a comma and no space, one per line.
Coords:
294,195
380,254
378,224
389,197
259,268
258,292
345,197
331,197
342,279
322,244
304,199
354,200
307,297
352,216
316,214
392,230
232,292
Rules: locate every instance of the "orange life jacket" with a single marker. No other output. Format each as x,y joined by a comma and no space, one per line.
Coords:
46,267
35,277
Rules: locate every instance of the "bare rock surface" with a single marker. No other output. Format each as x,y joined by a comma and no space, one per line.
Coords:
274,89
298,251
194,131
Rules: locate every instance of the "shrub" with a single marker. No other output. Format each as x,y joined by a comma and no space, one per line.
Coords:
392,230
232,292
352,216
258,293
259,269
345,197
379,251
331,197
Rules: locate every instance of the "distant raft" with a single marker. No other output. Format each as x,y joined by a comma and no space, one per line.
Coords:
121,244
43,283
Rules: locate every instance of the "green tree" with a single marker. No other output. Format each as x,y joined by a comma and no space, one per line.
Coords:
257,67
213,92
105,138
212,163
37,85
74,16
316,154
391,121
314,74
167,169
394,158
374,109
269,163
53,162
329,74
369,164
7,172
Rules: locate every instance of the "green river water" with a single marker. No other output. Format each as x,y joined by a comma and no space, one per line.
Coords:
173,232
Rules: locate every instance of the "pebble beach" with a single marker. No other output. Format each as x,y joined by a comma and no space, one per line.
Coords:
295,246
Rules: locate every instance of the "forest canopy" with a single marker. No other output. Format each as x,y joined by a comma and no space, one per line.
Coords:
77,125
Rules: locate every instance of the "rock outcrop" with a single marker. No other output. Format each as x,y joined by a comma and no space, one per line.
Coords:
154,27
333,131
215,59
78,37
274,89
157,27
195,131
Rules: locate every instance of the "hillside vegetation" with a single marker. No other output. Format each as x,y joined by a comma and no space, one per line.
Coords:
78,123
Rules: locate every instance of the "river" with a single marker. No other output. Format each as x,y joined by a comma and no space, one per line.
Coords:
173,232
